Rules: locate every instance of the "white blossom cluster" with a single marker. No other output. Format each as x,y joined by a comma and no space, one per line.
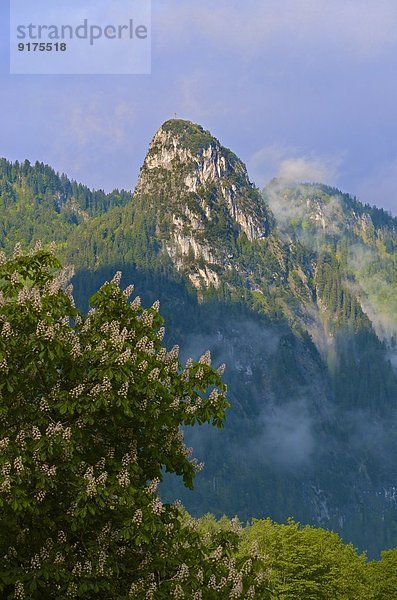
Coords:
92,482
30,297
6,330
101,388
58,429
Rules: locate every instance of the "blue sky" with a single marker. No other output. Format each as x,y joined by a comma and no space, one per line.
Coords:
306,89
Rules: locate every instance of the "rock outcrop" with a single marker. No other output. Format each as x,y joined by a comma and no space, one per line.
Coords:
198,187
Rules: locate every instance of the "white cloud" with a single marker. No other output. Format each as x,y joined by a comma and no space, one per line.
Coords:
288,438
291,165
303,169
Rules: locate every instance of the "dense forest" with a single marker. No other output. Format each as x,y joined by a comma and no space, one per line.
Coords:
38,203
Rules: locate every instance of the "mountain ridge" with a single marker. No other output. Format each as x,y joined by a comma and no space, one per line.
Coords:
294,288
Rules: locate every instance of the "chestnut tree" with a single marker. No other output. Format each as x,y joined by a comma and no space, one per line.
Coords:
91,410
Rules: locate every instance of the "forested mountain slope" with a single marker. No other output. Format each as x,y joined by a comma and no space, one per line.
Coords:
38,203
294,288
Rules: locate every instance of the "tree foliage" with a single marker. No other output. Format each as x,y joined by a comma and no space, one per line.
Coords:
308,562
91,408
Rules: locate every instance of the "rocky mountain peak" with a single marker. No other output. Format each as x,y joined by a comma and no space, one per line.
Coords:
203,190
198,161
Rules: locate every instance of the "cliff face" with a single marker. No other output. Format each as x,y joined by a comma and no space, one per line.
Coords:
202,190
218,231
